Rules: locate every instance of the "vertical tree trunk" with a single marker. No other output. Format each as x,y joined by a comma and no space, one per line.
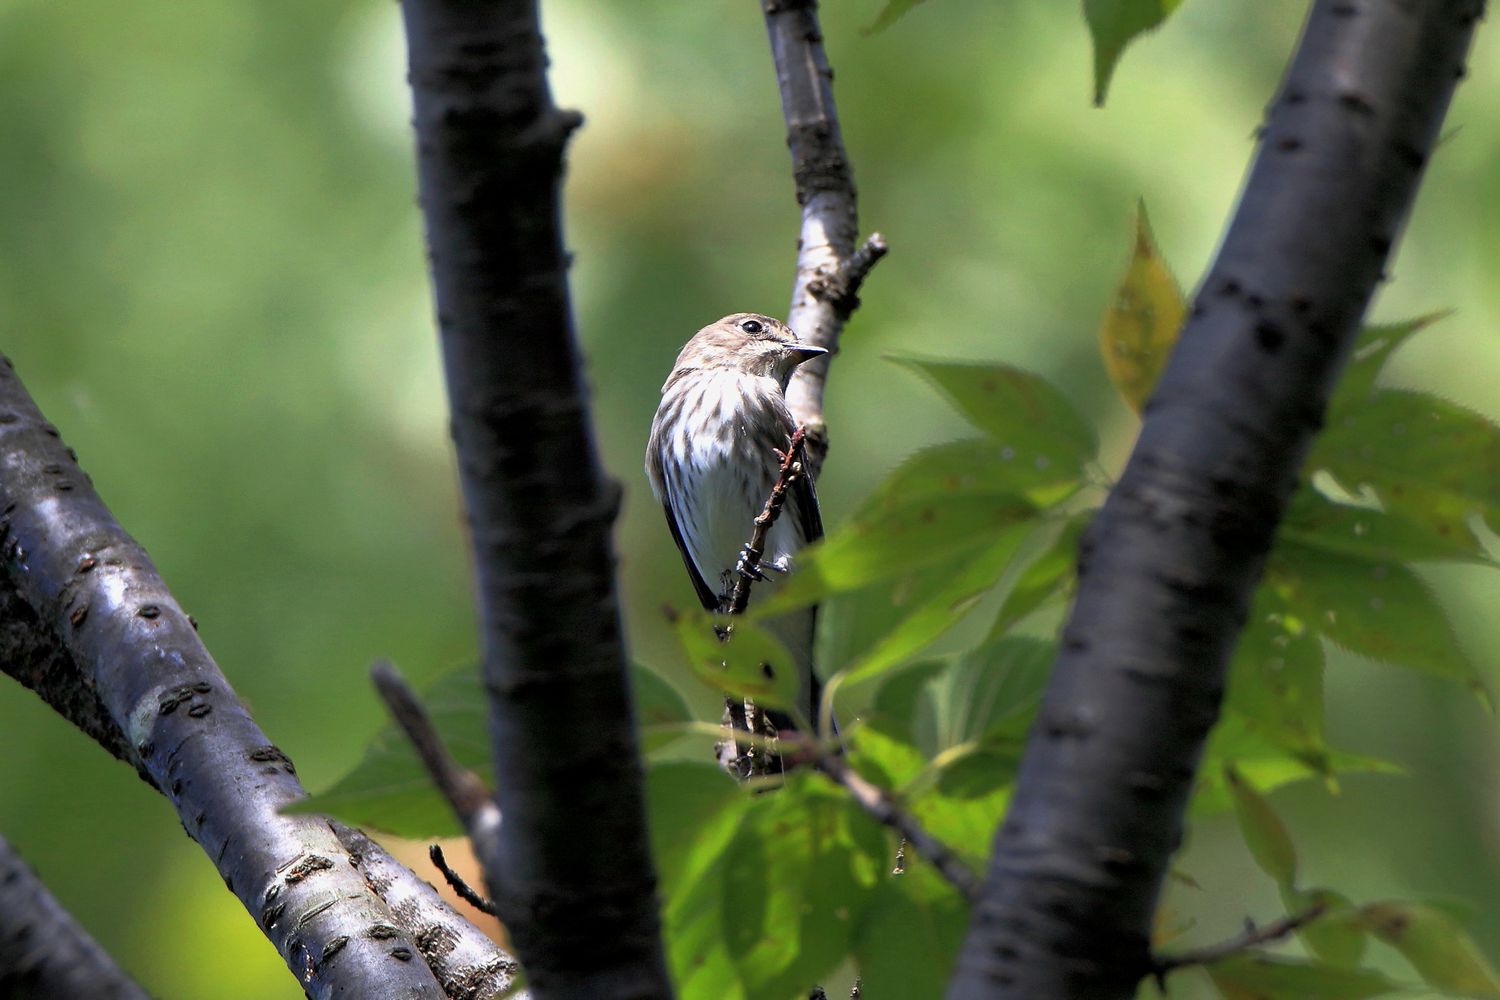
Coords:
1167,569
570,870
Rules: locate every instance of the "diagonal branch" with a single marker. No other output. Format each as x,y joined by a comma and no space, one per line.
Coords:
1168,567
579,896
460,787
749,570
464,959
1251,937
107,624
44,952
830,269
882,808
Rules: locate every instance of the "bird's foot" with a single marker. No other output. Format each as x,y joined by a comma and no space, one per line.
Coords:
749,565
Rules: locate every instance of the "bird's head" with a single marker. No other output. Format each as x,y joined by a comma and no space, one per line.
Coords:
749,343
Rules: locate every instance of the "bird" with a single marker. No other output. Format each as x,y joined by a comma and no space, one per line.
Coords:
712,460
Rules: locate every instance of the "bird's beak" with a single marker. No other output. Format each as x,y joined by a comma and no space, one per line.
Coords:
806,352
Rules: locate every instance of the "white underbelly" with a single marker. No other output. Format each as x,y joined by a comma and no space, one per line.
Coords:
719,523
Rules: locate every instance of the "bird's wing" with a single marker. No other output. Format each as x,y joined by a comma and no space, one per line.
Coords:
706,595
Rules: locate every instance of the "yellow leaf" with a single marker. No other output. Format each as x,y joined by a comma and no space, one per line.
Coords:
1140,325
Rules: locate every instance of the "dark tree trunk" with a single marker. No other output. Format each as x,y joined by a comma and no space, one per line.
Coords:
44,952
1167,569
570,870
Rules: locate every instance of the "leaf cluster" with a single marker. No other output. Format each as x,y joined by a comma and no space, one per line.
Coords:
766,893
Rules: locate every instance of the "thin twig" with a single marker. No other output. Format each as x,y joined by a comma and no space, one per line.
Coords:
793,461
457,883
460,787
1250,937
884,810
743,758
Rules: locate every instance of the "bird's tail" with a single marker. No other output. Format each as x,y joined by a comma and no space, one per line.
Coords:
797,631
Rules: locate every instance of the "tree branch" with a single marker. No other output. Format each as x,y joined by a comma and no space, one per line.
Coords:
460,787
886,811
1168,567
457,884
105,623
830,270
792,461
579,896
44,952
468,964
1251,937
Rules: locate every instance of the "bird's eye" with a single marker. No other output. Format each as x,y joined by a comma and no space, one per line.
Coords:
752,325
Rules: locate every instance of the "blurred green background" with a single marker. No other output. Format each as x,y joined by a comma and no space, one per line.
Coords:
211,278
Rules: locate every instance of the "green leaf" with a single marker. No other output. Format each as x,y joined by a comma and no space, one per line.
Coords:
1026,415
942,503
660,709
389,789
1424,459
1338,935
885,759
965,822
907,938
694,807
747,662
1049,577
1369,533
1140,326
1261,977
1264,834
946,736
891,543
1114,24
991,690
1373,607
796,877
1276,682
938,612
1436,946
1264,765
695,810
1371,351
974,467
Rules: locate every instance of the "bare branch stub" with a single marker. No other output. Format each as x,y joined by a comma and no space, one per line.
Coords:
461,788
457,884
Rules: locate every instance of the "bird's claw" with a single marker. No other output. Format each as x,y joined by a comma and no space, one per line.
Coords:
748,565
